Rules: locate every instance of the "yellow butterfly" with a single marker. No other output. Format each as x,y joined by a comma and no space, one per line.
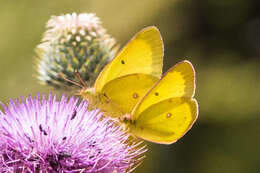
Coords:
125,80
130,88
168,110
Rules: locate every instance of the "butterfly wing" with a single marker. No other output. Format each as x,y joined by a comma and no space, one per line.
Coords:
166,121
127,90
143,54
179,81
168,110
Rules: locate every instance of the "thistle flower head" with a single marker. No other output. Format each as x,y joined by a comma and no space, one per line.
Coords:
46,135
73,42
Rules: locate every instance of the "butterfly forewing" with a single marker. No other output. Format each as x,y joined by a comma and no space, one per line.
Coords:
143,54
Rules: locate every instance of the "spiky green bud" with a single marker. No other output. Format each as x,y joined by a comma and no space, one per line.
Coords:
73,42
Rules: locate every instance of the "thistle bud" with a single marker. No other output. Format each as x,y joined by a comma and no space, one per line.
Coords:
73,43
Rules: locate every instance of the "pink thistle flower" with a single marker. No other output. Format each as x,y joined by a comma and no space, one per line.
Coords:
47,135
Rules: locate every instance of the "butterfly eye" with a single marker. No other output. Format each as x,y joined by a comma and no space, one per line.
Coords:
122,62
157,94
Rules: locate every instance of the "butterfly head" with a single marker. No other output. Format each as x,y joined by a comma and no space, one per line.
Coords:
87,93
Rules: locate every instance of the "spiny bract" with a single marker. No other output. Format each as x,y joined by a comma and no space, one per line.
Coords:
73,43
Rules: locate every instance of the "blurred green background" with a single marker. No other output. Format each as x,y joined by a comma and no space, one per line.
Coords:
220,37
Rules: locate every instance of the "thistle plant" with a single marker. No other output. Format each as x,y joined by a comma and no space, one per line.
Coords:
40,134
73,43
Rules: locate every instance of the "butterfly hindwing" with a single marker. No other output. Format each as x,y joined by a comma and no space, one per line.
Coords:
166,121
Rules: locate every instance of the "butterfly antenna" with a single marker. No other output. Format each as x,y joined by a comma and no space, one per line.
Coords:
80,79
70,81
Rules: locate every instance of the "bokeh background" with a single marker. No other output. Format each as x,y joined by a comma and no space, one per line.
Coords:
220,37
